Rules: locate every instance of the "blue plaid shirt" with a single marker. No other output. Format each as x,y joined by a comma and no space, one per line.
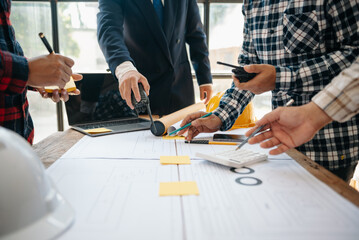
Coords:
14,110
309,43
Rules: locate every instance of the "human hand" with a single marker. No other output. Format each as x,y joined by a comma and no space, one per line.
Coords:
61,94
129,83
49,70
289,127
208,124
264,81
205,93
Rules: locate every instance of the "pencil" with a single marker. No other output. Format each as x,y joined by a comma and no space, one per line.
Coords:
46,43
210,142
188,124
290,102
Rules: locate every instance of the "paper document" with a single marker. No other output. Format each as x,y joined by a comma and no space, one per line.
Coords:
136,145
118,199
269,200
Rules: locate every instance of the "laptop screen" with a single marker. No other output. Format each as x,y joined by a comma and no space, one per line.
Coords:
100,100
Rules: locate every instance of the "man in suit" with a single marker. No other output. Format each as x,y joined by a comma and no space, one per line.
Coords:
144,42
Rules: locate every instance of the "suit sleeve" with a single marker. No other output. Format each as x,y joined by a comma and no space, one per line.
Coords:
196,39
110,36
14,72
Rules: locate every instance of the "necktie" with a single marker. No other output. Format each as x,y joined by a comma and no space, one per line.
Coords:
157,4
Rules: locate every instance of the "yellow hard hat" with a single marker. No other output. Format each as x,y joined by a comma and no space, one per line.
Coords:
245,120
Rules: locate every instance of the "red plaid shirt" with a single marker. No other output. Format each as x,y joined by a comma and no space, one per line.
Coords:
14,110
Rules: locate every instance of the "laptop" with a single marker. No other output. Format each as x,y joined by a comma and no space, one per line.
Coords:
100,107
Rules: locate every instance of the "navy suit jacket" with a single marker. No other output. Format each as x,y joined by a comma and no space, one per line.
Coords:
129,30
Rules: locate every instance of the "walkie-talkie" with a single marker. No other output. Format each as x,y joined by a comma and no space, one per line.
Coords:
239,72
143,104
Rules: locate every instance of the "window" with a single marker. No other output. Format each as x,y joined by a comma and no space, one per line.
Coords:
28,19
75,32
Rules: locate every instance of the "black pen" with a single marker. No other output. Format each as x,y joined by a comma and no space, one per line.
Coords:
46,43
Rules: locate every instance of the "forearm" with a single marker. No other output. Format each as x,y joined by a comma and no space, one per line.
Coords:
14,73
340,98
232,105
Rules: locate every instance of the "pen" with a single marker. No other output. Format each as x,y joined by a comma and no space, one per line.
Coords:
188,124
290,102
46,43
210,142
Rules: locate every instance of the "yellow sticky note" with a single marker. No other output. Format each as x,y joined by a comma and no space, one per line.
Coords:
178,188
173,137
175,160
70,86
98,130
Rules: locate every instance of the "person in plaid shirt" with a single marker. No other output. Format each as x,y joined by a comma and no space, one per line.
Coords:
290,127
18,73
296,48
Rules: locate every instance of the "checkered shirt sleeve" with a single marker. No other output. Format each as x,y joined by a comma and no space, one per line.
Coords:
309,43
340,98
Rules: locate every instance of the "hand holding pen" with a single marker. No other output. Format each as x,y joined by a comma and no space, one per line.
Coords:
199,124
289,127
51,70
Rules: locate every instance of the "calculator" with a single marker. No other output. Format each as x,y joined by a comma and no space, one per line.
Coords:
234,158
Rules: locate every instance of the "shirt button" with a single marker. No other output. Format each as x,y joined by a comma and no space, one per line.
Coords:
271,31
178,41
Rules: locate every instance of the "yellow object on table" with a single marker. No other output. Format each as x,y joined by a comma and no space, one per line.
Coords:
175,160
173,137
178,188
98,130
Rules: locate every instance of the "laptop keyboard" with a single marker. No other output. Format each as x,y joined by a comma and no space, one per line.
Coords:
109,124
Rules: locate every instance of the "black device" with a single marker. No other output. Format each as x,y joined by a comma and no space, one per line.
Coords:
239,72
143,104
228,137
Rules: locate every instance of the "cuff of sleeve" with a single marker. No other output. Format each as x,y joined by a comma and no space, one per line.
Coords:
283,78
16,71
123,68
338,105
223,115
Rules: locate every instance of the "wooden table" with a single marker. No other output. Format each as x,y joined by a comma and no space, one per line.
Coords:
54,146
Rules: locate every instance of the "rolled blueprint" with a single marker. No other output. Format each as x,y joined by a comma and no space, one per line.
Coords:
165,122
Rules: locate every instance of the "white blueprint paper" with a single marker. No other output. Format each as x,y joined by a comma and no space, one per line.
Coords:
131,145
144,145
118,199
289,204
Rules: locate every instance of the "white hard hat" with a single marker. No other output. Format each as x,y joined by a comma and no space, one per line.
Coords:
30,205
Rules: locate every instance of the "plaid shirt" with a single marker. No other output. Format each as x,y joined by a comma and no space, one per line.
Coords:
309,42
340,98
14,111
